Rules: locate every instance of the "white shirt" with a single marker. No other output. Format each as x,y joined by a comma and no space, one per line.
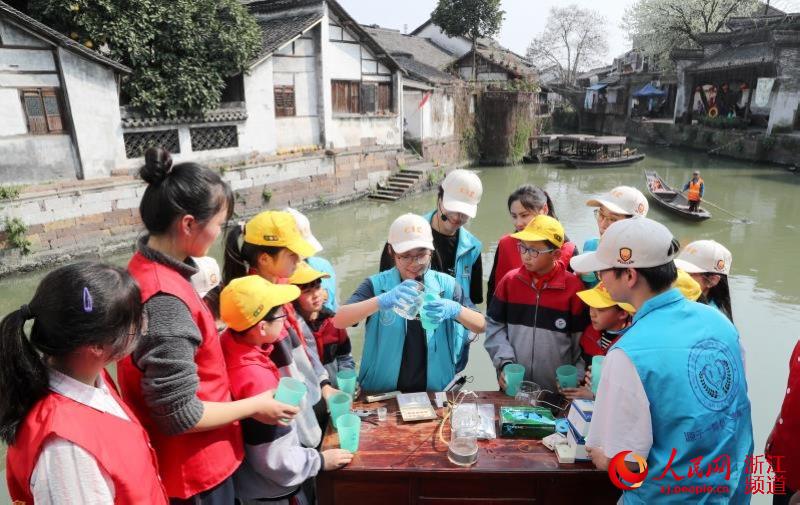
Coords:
621,418
66,473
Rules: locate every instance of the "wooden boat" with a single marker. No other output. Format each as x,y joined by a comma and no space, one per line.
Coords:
599,152
554,148
671,199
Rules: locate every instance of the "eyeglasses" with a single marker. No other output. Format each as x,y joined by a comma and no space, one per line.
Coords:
523,249
456,217
611,218
421,259
275,318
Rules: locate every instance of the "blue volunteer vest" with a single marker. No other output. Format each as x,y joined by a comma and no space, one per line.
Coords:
689,360
589,278
386,333
467,252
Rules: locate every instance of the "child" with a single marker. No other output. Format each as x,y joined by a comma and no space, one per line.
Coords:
399,354
622,202
316,262
272,246
276,464
524,204
536,318
709,263
333,344
175,380
59,410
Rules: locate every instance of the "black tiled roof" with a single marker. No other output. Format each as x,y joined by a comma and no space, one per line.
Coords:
421,71
742,56
277,30
422,49
54,37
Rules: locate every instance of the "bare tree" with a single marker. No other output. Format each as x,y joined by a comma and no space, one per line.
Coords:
573,40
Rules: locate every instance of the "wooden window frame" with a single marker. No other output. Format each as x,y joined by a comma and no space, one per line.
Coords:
281,107
47,124
352,98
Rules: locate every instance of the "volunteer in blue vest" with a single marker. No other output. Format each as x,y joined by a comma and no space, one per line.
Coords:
694,191
399,354
709,263
673,388
622,202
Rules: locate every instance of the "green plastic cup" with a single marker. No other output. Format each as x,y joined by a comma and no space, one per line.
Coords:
597,368
339,405
513,374
567,376
290,391
423,315
346,381
349,427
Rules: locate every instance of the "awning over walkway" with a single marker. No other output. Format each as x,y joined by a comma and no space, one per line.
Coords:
597,87
649,91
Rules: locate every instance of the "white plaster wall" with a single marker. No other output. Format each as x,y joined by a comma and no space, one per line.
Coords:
457,46
325,71
350,131
33,60
29,81
442,116
258,133
36,158
12,118
784,109
345,60
13,36
296,66
94,103
412,114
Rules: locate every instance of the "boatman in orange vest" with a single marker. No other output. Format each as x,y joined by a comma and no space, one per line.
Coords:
695,193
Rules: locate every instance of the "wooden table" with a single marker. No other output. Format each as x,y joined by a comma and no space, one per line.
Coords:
406,463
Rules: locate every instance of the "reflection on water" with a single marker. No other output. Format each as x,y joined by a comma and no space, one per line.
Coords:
764,281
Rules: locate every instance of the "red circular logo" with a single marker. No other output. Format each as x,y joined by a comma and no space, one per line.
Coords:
621,476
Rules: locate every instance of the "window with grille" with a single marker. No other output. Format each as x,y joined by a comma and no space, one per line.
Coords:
42,111
214,137
284,101
136,143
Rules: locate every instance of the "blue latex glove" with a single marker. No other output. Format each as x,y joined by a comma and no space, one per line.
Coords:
442,310
406,292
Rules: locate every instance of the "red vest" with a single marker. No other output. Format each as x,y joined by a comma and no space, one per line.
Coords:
120,447
784,440
508,257
328,334
190,463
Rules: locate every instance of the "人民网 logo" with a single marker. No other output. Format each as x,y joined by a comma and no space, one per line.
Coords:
621,476
625,254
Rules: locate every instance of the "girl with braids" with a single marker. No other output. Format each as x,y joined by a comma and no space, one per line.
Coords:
175,379
524,204
59,409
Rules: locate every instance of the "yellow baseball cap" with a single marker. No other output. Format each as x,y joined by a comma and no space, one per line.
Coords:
599,298
689,287
277,229
542,228
304,274
246,300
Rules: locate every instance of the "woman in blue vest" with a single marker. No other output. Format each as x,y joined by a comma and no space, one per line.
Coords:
399,354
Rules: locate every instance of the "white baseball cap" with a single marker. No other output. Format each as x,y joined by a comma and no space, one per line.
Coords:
462,192
705,256
410,231
622,200
207,276
304,227
631,243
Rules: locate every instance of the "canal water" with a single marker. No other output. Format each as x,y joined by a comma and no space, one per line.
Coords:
765,278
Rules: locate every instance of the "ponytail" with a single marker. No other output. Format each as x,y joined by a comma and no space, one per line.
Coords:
78,305
551,209
23,374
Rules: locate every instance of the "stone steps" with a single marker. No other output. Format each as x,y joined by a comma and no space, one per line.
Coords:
400,183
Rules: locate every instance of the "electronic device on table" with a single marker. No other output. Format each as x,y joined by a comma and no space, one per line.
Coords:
415,407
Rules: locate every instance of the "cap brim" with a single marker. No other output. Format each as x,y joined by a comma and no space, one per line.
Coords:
588,262
283,294
311,239
613,207
301,247
529,236
593,298
689,268
311,277
409,245
452,205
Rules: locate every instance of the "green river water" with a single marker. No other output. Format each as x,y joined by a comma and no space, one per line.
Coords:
765,280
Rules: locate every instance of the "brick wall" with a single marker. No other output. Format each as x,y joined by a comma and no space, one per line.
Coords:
443,152
92,218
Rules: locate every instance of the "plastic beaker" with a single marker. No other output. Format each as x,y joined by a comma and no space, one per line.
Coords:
410,310
567,376
527,393
349,427
290,391
383,413
339,405
423,315
513,374
346,381
597,369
